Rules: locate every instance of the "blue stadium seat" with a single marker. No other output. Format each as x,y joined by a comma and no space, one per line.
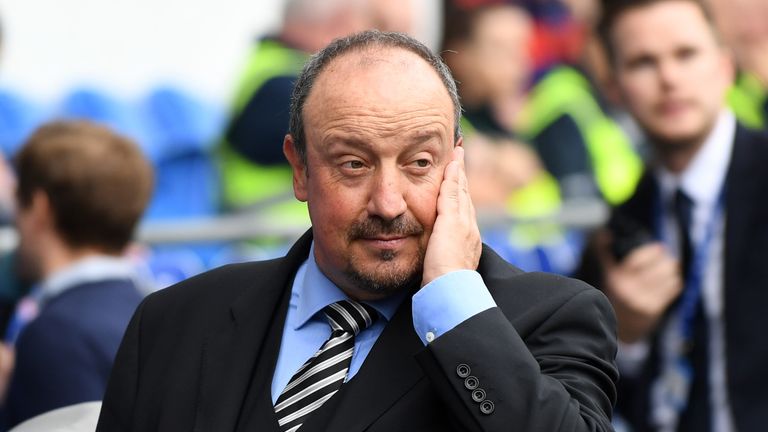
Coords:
18,118
179,123
181,130
101,107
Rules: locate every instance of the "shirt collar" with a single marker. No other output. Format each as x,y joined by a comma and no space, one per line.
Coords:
315,291
703,179
89,269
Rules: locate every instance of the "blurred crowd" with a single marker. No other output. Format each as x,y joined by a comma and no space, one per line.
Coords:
566,102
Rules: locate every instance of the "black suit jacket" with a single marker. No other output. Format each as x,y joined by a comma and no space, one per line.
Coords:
200,356
745,288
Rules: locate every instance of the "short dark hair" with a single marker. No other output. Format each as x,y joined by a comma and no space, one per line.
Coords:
98,183
460,18
365,40
612,10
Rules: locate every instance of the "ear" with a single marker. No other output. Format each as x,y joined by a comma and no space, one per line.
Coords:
41,204
298,166
459,142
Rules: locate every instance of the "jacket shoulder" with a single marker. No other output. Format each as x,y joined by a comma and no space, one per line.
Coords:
536,295
213,289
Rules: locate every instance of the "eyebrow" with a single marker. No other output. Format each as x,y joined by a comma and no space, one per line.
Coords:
424,136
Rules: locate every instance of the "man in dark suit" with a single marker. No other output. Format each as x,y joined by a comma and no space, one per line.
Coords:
81,192
447,336
683,268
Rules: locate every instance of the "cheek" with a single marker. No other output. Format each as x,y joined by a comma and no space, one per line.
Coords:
422,203
718,78
335,206
638,92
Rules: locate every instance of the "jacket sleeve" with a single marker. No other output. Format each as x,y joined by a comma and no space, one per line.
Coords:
117,410
560,377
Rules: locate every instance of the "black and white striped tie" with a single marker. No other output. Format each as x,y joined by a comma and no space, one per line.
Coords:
324,373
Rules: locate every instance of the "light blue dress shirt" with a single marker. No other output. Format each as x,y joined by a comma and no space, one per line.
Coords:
437,308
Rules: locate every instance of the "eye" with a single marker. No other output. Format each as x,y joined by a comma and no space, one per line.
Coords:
641,62
686,53
353,164
422,163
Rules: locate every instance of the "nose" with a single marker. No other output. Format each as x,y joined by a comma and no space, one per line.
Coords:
670,74
387,198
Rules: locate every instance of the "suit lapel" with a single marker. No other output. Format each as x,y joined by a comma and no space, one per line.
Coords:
230,354
389,372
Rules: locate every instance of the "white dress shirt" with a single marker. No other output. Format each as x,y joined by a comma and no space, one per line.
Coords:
703,180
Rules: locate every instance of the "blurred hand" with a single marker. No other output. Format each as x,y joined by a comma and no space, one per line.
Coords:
641,287
455,241
7,362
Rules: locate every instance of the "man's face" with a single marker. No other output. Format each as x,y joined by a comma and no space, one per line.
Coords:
498,51
671,70
379,131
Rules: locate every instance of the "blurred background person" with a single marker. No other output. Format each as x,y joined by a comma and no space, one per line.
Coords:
496,169
489,45
254,170
485,44
570,106
394,15
11,289
742,24
81,191
681,259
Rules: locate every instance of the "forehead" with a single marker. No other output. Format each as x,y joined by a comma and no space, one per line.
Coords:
390,81
661,26
503,20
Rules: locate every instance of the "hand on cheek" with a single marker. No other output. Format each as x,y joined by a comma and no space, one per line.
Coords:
455,242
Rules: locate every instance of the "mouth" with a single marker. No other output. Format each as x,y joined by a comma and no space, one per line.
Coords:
385,242
672,108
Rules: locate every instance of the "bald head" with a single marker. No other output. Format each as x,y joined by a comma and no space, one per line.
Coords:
373,47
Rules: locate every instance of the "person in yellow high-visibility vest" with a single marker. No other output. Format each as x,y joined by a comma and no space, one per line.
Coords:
585,151
742,26
255,173
748,98
561,105
500,169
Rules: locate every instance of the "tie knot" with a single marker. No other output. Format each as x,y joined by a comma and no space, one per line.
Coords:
350,316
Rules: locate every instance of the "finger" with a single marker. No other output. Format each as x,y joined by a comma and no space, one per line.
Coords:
464,200
658,299
466,205
447,200
645,256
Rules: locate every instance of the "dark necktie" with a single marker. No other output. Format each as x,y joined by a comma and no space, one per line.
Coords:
323,374
683,215
697,413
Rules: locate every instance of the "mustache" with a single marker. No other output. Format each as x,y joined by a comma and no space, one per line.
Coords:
375,226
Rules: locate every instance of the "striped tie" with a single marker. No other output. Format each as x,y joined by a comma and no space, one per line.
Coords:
324,373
